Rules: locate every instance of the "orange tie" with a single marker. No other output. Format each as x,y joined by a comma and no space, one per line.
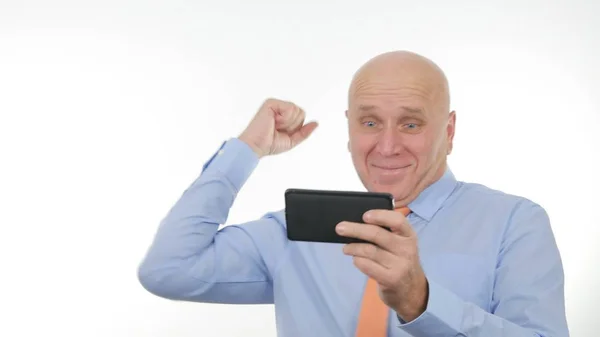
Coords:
373,318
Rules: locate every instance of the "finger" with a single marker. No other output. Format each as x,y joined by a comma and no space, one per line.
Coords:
374,270
371,252
297,122
278,107
304,132
286,119
394,220
368,232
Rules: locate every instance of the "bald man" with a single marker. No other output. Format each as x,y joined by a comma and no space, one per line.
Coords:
465,260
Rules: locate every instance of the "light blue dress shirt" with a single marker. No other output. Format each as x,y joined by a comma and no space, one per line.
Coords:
491,260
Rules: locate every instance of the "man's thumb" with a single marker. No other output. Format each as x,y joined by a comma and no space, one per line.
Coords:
305,131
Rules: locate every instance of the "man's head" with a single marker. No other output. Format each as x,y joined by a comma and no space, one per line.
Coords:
400,125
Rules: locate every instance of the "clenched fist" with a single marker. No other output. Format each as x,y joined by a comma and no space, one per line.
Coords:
278,126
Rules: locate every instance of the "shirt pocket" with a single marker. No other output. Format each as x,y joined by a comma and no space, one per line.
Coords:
468,276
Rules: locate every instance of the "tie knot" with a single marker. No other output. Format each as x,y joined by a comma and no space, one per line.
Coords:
404,210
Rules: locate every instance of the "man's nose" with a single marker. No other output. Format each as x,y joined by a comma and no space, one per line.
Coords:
388,143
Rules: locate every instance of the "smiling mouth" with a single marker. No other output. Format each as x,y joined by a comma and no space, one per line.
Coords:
390,168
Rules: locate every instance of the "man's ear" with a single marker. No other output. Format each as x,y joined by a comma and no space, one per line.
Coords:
451,129
348,145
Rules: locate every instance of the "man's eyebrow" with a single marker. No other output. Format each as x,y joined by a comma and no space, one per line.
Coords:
411,110
366,108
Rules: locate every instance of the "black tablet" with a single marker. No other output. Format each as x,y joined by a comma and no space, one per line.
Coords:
312,215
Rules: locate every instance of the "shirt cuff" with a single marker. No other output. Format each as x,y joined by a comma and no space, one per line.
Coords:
442,318
234,160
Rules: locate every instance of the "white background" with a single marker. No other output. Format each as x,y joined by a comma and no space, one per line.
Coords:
110,108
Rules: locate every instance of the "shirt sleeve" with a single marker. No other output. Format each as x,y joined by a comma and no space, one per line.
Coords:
191,259
528,298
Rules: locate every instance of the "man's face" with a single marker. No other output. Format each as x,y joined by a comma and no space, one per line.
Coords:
399,137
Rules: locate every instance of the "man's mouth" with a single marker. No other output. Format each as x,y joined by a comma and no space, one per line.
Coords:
390,167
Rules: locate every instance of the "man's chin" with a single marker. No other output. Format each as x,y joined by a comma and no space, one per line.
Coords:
397,190
386,182
379,187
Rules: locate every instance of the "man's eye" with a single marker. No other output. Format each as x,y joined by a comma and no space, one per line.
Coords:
369,123
411,125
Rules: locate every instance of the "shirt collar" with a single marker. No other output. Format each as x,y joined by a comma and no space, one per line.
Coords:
432,198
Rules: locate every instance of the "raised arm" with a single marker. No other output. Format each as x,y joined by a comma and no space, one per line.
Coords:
190,259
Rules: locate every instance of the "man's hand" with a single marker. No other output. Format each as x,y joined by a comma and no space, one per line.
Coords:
278,126
391,258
